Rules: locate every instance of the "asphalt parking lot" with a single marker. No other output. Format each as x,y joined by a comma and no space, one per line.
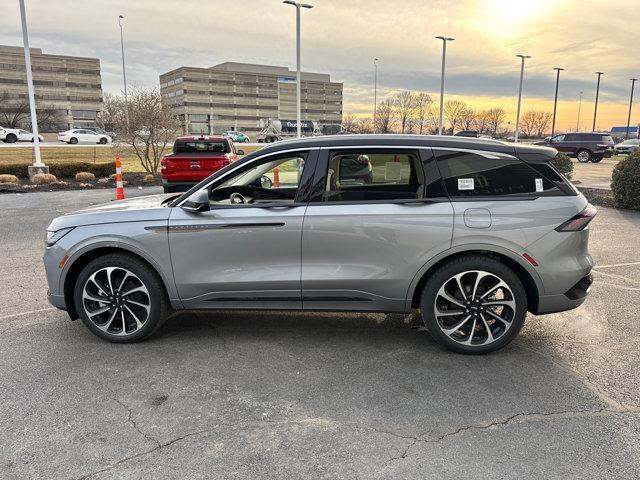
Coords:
288,395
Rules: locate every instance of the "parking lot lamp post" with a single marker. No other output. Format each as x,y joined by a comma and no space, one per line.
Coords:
298,7
555,101
633,83
38,166
523,57
124,71
595,109
444,58
579,108
375,91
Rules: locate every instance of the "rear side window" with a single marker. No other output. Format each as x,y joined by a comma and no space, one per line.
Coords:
201,146
469,174
372,176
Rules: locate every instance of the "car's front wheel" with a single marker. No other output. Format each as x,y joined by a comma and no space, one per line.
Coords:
120,298
73,140
11,138
584,156
473,304
596,159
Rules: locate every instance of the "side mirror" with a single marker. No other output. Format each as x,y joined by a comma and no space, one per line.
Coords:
265,182
197,202
240,152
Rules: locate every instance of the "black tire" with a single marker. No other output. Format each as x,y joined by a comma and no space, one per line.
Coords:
464,264
11,138
159,307
169,189
246,140
596,159
73,141
584,155
102,141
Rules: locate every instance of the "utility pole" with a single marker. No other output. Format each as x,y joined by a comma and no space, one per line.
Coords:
38,166
633,83
555,101
523,57
595,109
444,58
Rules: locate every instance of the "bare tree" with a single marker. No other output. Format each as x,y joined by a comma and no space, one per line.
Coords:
468,119
453,112
423,112
13,113
542,123
384,116
482,121
404,106
144,123
496,118
528,122
363,125
349,122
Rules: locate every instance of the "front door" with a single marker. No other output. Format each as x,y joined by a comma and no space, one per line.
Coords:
245,252
377,217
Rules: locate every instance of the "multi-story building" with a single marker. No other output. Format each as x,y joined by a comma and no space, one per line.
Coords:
68,89
237,96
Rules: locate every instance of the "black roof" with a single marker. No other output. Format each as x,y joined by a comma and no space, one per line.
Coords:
524,151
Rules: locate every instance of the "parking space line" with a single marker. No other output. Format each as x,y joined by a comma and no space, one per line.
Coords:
619,277
617,265
27,313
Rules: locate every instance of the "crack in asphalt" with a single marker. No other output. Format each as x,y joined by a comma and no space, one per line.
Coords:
523,417
133,422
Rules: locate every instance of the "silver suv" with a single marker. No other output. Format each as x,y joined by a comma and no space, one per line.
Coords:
474,233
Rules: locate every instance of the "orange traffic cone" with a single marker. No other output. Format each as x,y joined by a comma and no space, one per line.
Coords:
276,178
119,187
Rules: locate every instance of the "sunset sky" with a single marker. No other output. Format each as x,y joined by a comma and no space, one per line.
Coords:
341,37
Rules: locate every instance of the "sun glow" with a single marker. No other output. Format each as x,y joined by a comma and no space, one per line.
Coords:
516,10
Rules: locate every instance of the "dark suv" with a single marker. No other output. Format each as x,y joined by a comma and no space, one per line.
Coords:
586,147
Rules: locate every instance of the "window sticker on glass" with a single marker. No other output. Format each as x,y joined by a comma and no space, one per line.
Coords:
465,184
393,171
539,186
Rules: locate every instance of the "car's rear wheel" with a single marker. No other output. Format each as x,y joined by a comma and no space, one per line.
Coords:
120,298
246,140
103,141
11,138
596,159
584,156
73,140
473,304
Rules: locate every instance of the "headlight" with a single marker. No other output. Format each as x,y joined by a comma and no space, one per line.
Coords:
53,237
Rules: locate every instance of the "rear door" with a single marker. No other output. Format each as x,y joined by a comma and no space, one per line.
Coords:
376,216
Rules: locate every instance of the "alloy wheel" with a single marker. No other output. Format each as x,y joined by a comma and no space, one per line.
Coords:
584,156
116,301
475,308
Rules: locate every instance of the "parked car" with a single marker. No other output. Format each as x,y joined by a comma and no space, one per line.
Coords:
627,146
237,137
586,147
442,227
195,158
83,135
11,135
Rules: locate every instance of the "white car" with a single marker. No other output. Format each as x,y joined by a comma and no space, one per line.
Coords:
9,135
80,135
24,136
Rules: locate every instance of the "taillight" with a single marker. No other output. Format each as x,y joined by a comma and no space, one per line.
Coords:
580,221
163,164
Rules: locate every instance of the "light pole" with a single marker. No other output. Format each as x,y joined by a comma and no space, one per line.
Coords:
595,109
444,57
555,101
523,57
633,83
124,71
375,91
38,166
298,7
579,107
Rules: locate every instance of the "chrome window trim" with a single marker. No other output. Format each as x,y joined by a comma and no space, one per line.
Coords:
266,155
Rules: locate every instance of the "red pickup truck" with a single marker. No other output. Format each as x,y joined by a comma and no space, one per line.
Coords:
194,159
